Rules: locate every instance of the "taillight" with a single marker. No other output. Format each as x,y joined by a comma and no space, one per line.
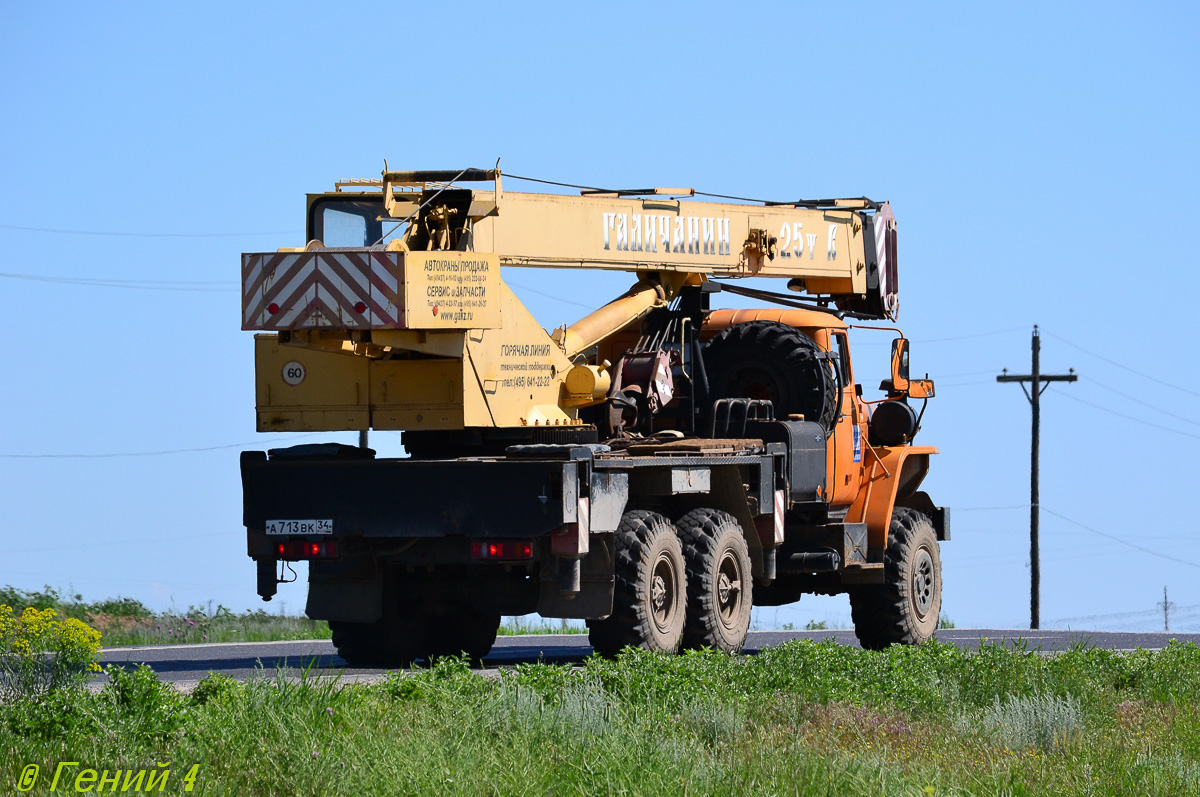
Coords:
302,549
502,549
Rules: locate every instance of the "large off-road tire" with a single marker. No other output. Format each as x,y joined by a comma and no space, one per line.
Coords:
388,642
466,631
769,360
399,637
359,643
650,593
904,609
719,580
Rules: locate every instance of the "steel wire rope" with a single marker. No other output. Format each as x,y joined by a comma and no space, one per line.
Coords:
553,182
799,202
422,206
614,190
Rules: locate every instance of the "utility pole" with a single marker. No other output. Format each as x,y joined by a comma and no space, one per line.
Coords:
1166,607
1036,378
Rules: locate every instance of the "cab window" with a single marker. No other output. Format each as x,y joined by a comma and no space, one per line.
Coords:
340,228
843,356
336,221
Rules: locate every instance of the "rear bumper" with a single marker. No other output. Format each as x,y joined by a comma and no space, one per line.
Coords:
368,498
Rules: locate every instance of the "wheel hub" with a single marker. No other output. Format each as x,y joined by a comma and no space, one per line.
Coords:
658,593
663,590
729,588
922,583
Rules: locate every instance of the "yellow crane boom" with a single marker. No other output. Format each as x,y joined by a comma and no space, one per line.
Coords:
395,316
840,249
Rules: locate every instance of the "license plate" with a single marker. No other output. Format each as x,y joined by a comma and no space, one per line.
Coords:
299,527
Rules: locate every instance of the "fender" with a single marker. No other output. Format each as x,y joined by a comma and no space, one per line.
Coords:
890,472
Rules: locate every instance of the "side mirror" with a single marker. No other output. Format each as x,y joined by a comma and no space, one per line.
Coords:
914,388
900,365
920,389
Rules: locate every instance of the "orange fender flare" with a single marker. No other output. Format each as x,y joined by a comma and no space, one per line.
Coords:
891,471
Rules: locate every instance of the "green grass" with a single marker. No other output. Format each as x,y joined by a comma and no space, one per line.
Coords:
517,626
126,621
801,718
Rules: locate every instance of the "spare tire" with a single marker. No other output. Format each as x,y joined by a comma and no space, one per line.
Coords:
770,360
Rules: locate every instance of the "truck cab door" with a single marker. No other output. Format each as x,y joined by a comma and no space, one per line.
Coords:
845,452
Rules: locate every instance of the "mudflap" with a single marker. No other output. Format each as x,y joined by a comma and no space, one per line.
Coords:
938,515
347,590
595,597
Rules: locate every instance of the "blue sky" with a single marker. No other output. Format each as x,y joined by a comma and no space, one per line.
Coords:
1040,159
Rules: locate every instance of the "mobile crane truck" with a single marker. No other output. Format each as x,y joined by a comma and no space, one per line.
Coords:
656,468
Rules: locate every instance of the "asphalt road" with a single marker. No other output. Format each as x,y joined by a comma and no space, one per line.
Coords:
186,664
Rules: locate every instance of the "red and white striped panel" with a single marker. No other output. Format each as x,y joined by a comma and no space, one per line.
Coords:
335,290
885,256
780,510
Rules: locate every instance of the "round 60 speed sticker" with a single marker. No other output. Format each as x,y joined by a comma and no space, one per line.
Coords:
294,373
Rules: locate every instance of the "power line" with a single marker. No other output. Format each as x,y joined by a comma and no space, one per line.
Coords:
114,233
1124,367
143,285
1133,418
989,372
968,383
126,454
1118,615
989,508
923,341
1070,555
970,337
111,543
1143,403
1123,541
547,295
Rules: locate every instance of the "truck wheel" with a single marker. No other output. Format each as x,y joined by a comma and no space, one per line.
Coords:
650,594
905,608
389,642
465,632
769,360
397,638
719,581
